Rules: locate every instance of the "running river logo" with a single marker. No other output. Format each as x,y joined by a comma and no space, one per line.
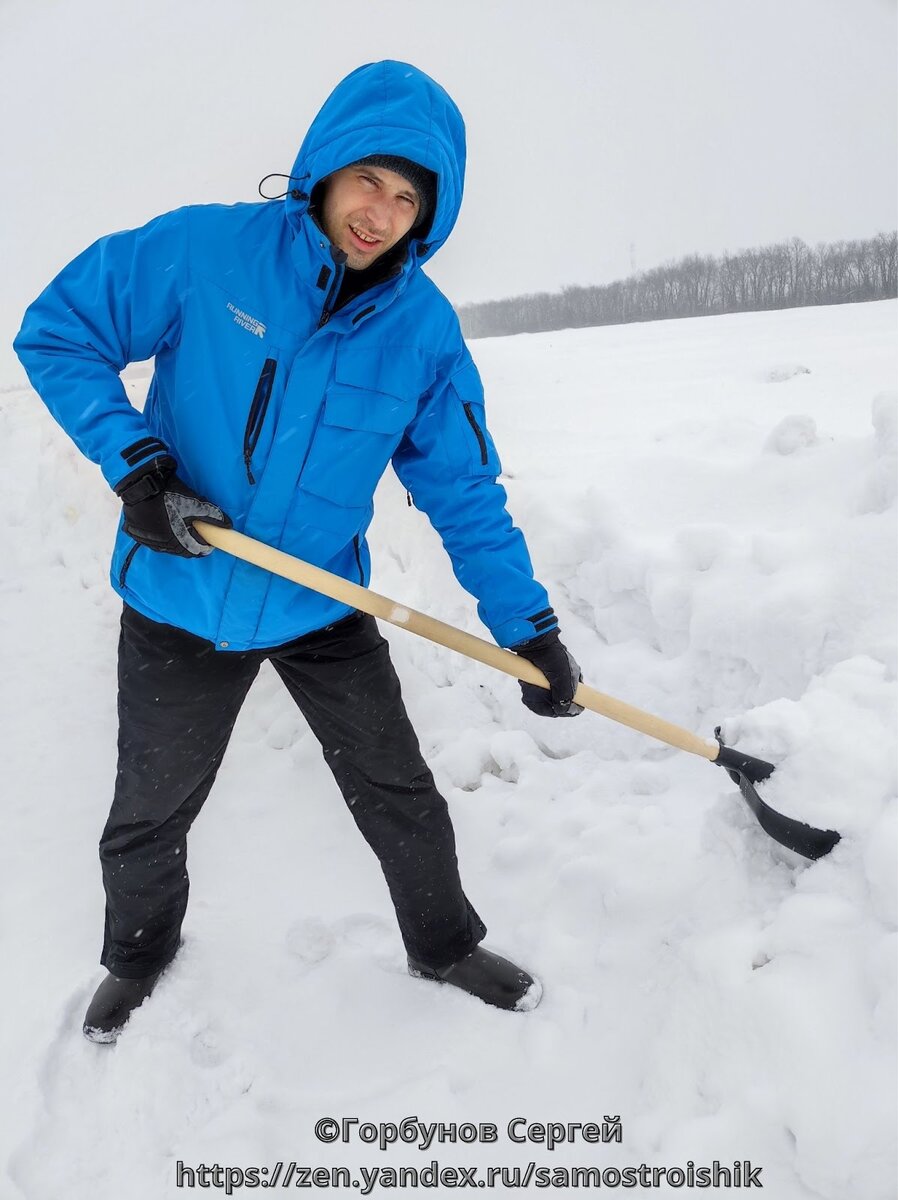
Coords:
245,321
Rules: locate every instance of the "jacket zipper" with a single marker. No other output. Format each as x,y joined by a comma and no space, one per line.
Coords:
331,297
127,563
481,440
257,412
358,559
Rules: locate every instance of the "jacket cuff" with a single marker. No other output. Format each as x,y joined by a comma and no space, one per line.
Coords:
524,629
539,642
138,455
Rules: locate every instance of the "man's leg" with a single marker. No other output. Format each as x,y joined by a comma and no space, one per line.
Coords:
178,701
343,681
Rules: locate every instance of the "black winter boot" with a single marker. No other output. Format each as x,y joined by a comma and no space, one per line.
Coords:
113,1003
485,975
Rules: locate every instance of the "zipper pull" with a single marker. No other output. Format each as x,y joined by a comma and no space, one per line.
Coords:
339,257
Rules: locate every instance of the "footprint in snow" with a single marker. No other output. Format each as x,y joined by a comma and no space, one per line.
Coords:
206,1049
69,1068
365,930
310,941
376,938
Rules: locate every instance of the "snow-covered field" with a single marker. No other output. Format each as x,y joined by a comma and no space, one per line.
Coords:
712,505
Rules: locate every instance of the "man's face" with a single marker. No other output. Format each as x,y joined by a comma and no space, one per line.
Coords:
365,212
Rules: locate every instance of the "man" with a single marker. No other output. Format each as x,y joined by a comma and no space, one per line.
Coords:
299,348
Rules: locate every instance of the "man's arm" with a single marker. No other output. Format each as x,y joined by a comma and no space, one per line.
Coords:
118,302
449,464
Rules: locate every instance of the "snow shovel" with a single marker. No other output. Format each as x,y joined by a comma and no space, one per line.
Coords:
744,770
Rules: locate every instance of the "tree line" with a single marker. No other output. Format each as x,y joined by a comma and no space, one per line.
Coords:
785,275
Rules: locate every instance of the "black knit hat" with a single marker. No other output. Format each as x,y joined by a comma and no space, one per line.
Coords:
423,181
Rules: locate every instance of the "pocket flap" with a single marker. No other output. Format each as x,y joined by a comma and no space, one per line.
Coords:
402,371
351,408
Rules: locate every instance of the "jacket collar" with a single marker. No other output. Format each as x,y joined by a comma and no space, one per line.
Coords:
317,263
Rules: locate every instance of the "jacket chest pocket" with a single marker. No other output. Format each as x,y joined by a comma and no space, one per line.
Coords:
257,412
359,429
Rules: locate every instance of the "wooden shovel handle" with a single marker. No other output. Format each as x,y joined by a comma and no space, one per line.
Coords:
362,598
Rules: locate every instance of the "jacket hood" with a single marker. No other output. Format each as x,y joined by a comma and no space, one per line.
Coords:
387,108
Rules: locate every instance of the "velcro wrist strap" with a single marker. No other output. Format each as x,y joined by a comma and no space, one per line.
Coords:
143,488
147,480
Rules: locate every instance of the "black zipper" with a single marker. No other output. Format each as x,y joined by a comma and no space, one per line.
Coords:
358,559
127,563
331,296
257,411
481,440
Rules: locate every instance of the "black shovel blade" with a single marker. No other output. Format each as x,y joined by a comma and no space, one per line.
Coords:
796,835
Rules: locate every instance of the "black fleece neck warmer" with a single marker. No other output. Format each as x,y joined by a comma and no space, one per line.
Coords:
356,282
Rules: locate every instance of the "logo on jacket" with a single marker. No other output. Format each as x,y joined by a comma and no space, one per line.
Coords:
245,321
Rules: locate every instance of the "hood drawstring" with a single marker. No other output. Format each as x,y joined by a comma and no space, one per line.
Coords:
295,193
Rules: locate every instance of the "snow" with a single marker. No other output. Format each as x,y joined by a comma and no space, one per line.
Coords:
712,505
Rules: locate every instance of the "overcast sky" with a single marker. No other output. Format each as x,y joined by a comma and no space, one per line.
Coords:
601,133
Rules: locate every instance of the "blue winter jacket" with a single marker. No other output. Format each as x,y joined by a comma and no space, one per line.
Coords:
277,411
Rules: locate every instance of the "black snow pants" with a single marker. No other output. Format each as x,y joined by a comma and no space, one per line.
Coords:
178,700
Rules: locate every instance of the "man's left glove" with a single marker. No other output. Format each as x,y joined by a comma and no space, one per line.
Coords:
159,508
557,664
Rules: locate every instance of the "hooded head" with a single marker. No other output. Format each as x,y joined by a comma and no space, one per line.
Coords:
389,110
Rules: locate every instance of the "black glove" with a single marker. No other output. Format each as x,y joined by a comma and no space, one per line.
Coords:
549,654
159,508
